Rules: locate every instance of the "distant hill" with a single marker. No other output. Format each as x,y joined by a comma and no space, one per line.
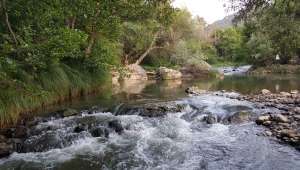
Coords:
223,23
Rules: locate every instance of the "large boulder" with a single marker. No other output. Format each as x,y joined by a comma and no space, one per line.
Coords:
135,72
196,70
167,74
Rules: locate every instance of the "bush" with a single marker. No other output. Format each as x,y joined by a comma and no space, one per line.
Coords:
297,70
176,67
213,72
279,69
149,68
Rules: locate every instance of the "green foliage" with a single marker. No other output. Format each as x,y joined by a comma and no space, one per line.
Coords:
149,68
164,76
51,50
175,67
279,70
297,70
213,72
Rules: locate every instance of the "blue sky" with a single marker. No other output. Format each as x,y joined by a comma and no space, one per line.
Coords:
211,10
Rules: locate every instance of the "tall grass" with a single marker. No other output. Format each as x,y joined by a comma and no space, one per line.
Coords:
50,86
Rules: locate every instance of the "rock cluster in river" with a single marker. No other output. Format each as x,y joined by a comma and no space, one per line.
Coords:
12,139
284,125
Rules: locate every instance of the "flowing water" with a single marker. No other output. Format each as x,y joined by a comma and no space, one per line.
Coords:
177,140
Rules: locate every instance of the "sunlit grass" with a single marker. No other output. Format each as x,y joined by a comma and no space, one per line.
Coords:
56,83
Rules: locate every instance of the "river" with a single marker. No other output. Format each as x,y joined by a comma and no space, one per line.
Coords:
177,140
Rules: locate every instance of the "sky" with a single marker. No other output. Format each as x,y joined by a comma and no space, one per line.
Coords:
210,10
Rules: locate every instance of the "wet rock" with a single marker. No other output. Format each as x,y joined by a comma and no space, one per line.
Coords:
237,118
281,118
294,91
9,146
210,119
296,116
96,109
65,113
9,132
81,127
285,94
2,138
195,90
267,123
297,110
30,121
6,149
268,133
265,92
116,125
21,132
100,132
262,119
153,110
288,133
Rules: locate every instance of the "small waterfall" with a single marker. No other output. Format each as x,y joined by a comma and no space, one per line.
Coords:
231,70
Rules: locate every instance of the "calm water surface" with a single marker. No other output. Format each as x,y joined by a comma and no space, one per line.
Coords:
145,91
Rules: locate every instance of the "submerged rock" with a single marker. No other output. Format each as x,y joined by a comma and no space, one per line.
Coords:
116,125
100,132
81,127
237,118
153,109
195,90
210,119
65,113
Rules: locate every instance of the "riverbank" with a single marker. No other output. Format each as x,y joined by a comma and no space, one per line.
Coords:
56,84
288,69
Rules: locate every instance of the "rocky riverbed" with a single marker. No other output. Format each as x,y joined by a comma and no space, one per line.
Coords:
38,134
284,125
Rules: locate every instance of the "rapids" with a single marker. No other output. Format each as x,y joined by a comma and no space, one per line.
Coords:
180,140
177,140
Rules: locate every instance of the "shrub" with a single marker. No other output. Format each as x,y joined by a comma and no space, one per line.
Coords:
279,69
213,72
297,70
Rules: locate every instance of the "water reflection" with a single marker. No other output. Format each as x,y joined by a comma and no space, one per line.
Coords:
138,91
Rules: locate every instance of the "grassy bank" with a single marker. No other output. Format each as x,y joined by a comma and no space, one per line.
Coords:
55,84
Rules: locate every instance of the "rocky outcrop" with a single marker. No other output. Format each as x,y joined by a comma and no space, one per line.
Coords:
135,72
165,73
199,70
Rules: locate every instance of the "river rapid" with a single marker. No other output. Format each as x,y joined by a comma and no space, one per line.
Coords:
177,140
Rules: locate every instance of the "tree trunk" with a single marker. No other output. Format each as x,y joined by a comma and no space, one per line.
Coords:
8,24
67,22
73,22
91,41
147,51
